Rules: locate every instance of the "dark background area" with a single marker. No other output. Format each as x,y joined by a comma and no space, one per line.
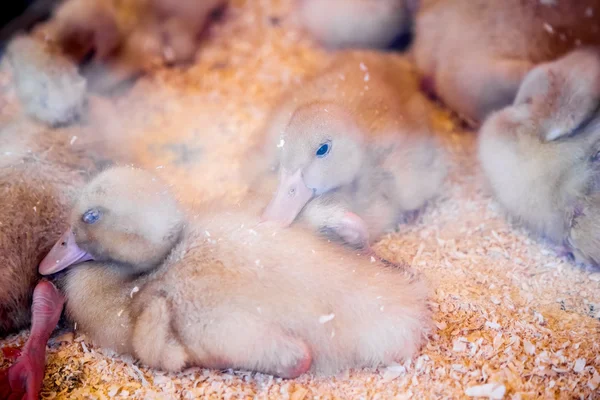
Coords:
21,15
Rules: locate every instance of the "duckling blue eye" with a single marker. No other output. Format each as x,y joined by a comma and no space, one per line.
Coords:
323,150
91,216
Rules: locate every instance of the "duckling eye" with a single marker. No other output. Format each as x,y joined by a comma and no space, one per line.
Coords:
91,216
323,150
596,157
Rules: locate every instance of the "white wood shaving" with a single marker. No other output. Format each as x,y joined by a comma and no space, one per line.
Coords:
492,325
491,391
393,372
529,347
460,345
579,365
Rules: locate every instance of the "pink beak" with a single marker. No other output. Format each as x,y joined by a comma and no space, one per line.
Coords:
290,198
63,254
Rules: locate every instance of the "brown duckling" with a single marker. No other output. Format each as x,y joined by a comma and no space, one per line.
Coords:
222,289
126,38
355,149
47,83
542,154
40,170
356,23
473,54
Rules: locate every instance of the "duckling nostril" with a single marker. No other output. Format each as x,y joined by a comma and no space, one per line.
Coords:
292,191
63,244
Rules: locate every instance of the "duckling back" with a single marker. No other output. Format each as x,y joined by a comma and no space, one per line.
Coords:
238,283
475,53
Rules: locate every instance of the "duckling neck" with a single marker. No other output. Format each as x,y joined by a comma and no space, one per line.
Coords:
153,263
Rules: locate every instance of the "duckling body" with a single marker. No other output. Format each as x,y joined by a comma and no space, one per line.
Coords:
380,158
356,23
474,54
127,38
232,292
540,155
39,174
40,171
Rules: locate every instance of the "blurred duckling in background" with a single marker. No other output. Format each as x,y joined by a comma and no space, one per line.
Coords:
47,83
225,290
356,23
473,54
542,154
125,39
355,150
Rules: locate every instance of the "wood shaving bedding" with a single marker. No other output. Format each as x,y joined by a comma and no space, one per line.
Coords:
513,320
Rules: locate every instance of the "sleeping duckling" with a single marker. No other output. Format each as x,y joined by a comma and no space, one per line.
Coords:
223,290
473,54
40,170
356,151
356,23
47,83
541,155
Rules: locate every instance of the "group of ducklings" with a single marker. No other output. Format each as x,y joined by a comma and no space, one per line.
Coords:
252,287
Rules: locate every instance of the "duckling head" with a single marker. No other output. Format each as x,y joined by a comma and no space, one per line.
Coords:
125,216
321,150
564,94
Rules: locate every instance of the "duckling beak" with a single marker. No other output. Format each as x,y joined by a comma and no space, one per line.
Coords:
63,254
289,199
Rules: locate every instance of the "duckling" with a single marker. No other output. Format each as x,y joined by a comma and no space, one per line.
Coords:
181,23
473,55
40,170
127,38
47,83
541,155
356,151
356,23
39,173
222,289
81,27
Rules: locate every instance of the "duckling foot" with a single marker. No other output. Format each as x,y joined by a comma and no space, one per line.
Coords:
23,380
353,230
299,365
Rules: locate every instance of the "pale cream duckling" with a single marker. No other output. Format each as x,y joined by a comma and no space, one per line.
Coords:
542,154
356,23
473,54
224,290
356,149
47,83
